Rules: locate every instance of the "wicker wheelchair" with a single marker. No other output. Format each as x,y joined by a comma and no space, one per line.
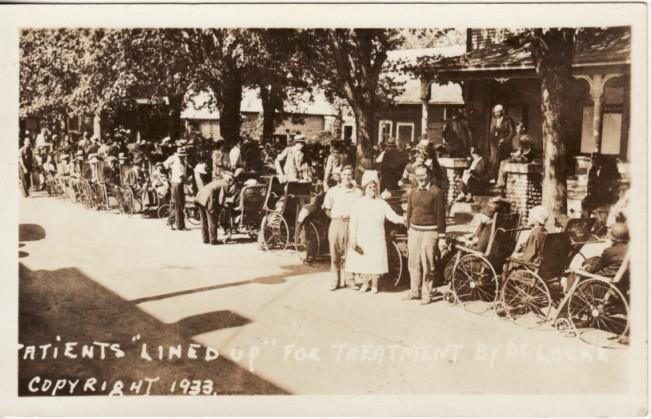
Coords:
473,274
244,213
596,308
531,291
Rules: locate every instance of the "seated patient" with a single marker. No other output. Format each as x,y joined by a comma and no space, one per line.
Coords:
530,252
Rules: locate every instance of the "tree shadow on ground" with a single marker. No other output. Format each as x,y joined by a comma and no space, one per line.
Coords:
69,304
289,271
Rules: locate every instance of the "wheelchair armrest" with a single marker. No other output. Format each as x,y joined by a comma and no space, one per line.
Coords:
590,275
468,250
511,259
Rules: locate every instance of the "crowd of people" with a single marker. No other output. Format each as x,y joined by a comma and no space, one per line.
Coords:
212,173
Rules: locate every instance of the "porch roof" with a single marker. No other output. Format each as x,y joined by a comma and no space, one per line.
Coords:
594,47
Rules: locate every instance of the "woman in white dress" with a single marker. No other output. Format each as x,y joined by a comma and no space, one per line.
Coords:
367,249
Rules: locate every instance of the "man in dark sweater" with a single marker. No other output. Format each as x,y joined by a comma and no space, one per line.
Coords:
426,222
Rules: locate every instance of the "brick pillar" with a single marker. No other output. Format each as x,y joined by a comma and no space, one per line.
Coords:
454,168
523,187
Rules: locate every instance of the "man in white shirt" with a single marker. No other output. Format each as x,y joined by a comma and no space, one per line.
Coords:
337,204
292,155
235,155
177,166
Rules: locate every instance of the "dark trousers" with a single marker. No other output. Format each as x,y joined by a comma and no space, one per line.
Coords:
208,225
177,205
25,181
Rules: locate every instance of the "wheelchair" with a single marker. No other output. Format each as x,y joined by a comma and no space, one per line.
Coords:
244,214
282,205
531,291
473,274
596,308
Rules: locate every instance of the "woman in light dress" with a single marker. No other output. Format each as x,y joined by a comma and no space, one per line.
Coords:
367,249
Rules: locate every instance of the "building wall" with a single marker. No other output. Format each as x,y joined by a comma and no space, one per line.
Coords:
411,114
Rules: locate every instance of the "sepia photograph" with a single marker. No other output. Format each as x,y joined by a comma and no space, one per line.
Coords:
453,209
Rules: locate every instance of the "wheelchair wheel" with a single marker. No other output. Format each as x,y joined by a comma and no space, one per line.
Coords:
88,195
275,232
526,299
163,211
599,312
395,263
192,215
307,242
226,223
474,283
128,201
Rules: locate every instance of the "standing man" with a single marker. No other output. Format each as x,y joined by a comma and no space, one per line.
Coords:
392,165
337,204
289,162
218,162
209,200
235,154
425,220
177,166
499,140
25,161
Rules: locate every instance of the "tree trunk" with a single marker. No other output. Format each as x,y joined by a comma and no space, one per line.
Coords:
271,103
365,124
552,51
174,115
229,102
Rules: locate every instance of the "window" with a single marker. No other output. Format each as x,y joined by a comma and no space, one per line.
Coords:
348,132
405,132
386,127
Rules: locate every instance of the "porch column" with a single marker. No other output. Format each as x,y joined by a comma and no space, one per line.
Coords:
424,100
97,126
597,82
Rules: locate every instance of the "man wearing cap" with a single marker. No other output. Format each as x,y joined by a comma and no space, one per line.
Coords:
337,204
292,156
177,166
500,139
425,220
209,201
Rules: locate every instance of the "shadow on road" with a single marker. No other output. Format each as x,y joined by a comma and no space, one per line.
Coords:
30,232
69,304
292,270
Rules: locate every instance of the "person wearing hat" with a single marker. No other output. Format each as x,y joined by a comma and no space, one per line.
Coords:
530,251
337,205
392,165
500,137
288,163
367,249
177,165
26,161
426,225
334,163
209,200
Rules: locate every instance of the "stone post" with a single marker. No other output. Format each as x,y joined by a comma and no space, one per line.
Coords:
454,168
523,187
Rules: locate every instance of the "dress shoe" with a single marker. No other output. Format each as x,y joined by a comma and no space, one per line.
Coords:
364,288
410,297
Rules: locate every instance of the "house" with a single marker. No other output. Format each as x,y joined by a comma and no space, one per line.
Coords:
404,119
309,116
496,70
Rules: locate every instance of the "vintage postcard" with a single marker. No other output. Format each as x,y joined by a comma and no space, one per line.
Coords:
324,209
